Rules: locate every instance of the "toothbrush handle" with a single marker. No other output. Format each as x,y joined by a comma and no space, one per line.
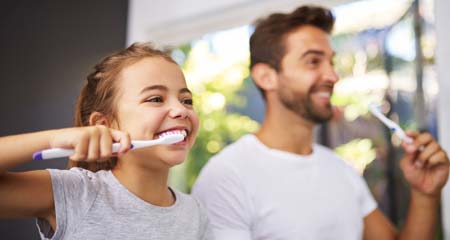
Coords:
64,152
402,135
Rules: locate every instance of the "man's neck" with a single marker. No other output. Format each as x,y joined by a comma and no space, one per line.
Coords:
286,132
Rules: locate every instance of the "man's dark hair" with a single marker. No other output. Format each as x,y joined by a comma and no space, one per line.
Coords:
267,41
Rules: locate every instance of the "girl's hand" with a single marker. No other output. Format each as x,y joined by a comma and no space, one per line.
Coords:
91,144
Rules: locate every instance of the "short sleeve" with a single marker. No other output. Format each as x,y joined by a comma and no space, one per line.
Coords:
366,201
220,190
74,191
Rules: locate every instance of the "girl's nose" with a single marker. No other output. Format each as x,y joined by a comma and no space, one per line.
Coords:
178,110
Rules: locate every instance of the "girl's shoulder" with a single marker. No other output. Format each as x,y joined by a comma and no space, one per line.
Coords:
185,199
189,201
78,181
192,208
78,173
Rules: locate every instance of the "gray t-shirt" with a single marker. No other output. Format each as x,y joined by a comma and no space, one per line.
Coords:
97,206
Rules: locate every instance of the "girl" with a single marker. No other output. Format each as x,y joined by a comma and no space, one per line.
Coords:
137,93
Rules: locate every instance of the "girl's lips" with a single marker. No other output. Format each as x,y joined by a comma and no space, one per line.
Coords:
182,143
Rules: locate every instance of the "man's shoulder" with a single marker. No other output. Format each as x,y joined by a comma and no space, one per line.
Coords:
236,150
330,157
229,161
326,151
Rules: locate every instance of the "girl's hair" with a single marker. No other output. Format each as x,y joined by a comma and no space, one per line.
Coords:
100,91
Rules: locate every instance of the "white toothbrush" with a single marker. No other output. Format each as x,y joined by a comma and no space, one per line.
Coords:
394,127
166,138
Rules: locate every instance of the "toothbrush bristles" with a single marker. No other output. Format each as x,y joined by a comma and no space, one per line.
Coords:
173,136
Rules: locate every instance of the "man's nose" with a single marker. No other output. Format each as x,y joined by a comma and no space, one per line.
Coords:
330,74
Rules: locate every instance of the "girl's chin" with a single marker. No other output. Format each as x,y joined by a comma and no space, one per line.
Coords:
174,158
173,162
170,158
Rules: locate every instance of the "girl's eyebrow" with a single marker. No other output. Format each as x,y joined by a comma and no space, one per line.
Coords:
154,87
163,88
185,90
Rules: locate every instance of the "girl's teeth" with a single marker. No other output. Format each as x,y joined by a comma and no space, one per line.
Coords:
183,132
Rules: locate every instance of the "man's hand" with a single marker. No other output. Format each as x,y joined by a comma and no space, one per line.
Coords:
425,165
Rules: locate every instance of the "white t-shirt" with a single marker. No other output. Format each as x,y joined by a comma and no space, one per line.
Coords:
254,192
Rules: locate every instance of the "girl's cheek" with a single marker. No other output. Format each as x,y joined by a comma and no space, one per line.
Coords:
195,124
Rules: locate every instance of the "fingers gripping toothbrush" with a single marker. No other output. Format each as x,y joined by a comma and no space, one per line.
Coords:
166,138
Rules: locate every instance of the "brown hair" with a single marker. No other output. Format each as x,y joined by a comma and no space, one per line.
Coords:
99,92
267,41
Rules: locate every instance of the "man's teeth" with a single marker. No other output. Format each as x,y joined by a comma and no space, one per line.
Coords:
324,94
182,132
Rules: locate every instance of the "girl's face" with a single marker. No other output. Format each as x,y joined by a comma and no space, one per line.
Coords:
153,99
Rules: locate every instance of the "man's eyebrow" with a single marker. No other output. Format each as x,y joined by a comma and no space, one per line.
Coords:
154,87
316,52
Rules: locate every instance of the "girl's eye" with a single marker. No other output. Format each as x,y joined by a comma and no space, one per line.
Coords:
187,101
155,99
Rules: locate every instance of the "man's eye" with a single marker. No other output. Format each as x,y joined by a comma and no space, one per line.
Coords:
155,99
187,101
313,61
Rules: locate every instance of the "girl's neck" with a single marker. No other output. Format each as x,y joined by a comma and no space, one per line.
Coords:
149,184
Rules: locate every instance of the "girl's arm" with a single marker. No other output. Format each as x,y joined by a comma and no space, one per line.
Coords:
19,149
30,194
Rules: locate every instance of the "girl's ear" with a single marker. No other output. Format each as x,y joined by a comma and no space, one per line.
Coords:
264,76
97,118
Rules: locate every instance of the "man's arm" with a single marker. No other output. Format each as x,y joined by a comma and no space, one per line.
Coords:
377,226
420,223
426,170
422,217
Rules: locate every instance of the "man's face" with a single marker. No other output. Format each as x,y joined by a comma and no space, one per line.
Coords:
307,76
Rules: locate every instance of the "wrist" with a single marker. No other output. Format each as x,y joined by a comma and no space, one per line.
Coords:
425,198
59,138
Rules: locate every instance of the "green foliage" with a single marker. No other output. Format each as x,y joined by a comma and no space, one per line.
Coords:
358,152
216,85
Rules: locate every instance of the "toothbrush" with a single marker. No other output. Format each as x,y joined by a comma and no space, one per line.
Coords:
394,127
166,138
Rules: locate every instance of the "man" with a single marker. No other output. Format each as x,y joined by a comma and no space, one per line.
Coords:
278,184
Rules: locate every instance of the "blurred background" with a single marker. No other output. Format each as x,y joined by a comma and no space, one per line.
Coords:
388,52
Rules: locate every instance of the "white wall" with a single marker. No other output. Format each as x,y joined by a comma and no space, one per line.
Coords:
443,60
171,22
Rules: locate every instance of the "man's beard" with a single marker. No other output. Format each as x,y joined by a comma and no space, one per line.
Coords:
303,106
